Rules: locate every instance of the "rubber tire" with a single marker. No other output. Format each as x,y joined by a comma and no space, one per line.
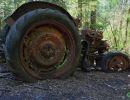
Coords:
16,34
106,57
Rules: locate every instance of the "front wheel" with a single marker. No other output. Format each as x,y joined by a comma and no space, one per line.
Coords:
115,62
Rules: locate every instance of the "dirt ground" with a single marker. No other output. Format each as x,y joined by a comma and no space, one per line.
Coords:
93,85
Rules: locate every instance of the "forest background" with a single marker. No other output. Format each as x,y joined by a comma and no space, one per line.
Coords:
110,16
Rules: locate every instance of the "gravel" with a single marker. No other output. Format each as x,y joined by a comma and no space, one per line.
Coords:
94,85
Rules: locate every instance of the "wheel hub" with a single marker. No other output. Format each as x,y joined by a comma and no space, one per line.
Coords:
48,50
44,49
118,63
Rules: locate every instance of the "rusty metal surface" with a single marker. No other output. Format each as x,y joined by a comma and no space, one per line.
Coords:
48,48
94,38
92,34
97,49
117,63
45,48
37,5
96,46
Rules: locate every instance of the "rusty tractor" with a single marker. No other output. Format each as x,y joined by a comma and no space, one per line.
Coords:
42,41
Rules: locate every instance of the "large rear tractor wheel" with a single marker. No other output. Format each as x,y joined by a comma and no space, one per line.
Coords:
43,44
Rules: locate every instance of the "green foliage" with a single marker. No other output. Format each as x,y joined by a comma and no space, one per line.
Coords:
7,7
113,3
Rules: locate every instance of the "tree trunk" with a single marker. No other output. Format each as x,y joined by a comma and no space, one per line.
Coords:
29,0
126,30
127,25
80,15
93,20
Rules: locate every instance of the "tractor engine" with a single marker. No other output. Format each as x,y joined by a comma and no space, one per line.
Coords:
95,53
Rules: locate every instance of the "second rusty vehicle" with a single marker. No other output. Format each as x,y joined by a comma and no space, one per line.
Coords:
42,41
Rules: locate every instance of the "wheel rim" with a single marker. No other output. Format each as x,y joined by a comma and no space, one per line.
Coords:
45,48
117,63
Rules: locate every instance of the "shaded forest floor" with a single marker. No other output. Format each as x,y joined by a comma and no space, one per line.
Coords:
81,86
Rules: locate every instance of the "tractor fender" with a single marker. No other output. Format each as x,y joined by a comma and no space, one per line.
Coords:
27,7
